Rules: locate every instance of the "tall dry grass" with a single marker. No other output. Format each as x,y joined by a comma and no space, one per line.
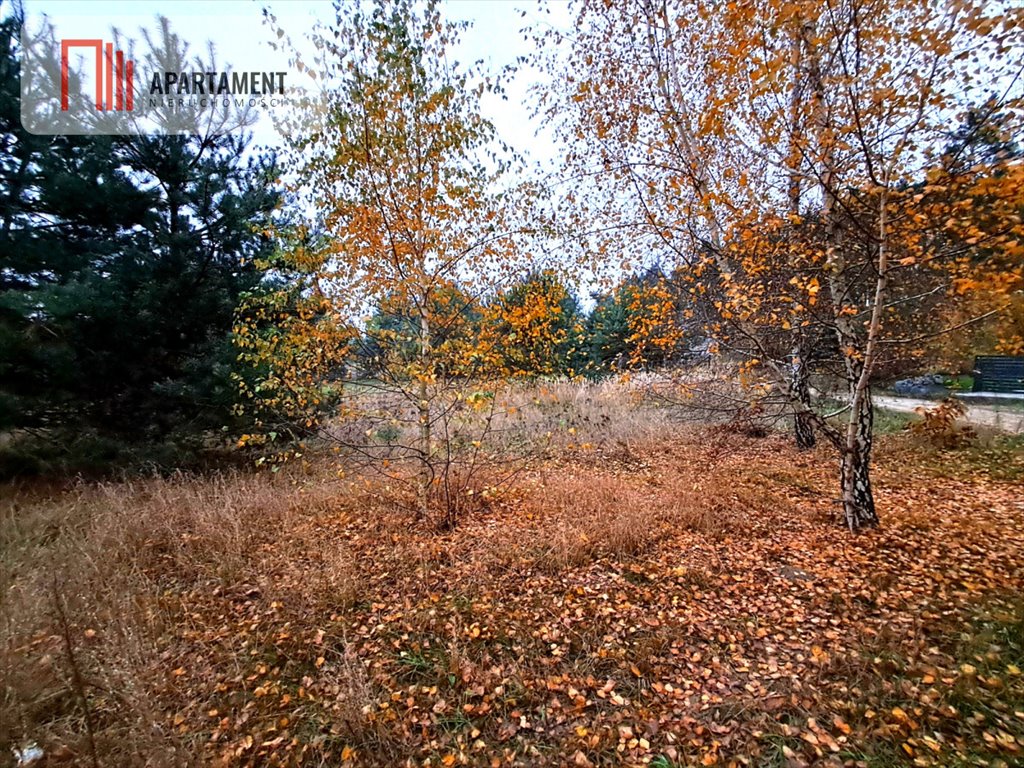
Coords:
91,606
108,587
603,414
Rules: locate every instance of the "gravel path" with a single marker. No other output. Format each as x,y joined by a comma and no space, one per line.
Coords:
1003,419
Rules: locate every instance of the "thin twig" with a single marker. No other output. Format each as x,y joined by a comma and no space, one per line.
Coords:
77,680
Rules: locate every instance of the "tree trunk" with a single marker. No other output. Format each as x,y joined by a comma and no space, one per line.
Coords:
803,424
799,389
855,444
423,407
803,430
855,478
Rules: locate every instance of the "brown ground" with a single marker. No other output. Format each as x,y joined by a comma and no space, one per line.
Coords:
675,602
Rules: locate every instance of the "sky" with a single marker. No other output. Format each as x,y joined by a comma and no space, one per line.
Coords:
241,40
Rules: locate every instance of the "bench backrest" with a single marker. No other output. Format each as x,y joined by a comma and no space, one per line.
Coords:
998,373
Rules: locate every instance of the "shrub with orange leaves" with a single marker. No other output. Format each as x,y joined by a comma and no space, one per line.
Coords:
395,233
939,425
534,328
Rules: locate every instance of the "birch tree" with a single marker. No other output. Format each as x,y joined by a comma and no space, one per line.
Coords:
787,154
396,209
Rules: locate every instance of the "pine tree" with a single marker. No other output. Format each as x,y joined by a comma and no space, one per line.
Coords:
123,260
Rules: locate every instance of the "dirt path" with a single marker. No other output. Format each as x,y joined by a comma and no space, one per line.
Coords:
1003,419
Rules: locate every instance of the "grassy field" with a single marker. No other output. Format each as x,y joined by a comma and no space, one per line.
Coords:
645,592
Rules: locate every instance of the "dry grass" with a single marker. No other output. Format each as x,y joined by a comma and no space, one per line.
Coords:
118,560
593,515
598,517
614,505
128,567
604,415
239,594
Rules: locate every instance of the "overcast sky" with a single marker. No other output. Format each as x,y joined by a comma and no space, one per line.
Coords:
241,40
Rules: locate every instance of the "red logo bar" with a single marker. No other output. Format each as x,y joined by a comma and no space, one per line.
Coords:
110,68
